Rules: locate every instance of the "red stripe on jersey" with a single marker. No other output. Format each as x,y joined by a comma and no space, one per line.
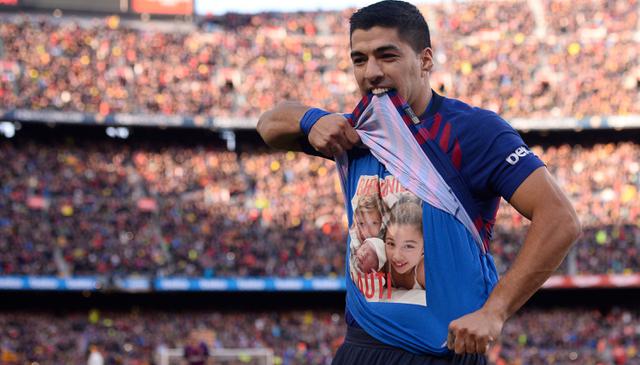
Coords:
485,243
407,120
444,139
478,223
360,108
487,228
396,100
456,156
435,128
424,135
420,138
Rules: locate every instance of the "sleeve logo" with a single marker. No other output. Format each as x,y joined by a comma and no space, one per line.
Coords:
514,157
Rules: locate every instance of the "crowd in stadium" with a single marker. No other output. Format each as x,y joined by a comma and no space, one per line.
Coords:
70,207
160,210
558,336
84,208
111,209
503,56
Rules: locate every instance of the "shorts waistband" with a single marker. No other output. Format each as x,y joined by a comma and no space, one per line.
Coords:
356,336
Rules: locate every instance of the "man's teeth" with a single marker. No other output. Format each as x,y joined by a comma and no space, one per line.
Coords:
378,91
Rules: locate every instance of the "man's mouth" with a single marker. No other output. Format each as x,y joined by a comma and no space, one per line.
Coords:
380,90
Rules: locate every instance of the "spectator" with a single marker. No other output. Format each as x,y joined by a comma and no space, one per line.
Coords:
95,357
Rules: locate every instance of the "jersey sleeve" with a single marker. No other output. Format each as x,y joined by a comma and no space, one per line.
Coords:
307,148
502,160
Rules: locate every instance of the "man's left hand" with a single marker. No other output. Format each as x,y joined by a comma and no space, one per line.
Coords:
474,332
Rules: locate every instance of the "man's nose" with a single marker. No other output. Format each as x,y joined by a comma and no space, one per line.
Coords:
373,72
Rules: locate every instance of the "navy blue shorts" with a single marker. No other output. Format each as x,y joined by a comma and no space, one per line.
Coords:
360,348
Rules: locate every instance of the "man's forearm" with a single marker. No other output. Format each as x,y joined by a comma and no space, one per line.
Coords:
280,128
554,228
547,242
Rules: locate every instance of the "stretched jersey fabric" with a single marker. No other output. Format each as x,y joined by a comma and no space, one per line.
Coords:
383,127
420,184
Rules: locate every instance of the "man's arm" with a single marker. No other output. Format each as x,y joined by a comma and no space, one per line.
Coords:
280,128
554,228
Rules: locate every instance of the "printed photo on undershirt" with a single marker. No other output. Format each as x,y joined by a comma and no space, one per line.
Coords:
386,251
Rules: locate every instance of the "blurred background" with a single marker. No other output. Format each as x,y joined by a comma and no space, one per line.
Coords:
139,208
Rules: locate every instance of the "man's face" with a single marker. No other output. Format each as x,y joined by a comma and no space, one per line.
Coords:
382,60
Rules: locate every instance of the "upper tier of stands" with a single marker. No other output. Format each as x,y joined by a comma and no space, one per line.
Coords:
555,60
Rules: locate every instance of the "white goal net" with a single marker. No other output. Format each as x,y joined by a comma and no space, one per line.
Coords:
244,356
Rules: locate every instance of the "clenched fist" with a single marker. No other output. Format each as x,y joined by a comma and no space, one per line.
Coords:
332,135
474,332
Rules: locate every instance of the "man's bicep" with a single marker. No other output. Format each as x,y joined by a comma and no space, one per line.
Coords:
531,192
539,192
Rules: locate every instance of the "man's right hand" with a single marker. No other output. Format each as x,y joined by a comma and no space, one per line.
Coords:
332,135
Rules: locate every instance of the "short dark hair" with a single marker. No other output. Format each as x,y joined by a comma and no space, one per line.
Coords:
400,15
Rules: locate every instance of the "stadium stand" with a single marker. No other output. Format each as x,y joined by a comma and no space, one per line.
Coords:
202,211
71,205
488,54
556,336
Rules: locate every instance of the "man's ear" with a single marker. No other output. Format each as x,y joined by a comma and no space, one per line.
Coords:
426,59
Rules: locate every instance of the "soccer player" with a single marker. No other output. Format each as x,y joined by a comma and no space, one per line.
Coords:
467,306
196,351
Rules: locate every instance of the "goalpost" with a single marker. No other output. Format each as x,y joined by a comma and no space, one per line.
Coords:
242,356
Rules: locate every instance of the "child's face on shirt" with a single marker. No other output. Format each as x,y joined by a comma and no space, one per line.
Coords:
404,247
368,223
366,258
